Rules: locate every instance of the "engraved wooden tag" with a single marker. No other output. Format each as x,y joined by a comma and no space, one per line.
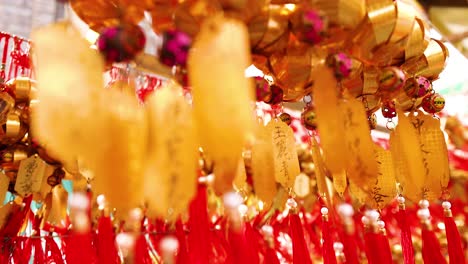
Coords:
30,173
285,157
339,182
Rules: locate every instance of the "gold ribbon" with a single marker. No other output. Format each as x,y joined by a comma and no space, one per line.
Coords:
430,64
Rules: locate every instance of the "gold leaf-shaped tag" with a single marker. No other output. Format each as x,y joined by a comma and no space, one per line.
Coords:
222,94
263,170
340,182
361,164
285,157
117,159
319,168
330,120
434,154
359,195
30,173
383,190
302,185
406,151
240,181
4,182
170,177
69,81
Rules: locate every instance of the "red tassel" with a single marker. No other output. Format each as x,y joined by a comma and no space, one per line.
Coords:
386,251
199,242
182,254
79,248
252,237
455,249
300,250
431,248
406,242
270,256
141,255
372,247
53,254
327,249
106,247
39,256
350,249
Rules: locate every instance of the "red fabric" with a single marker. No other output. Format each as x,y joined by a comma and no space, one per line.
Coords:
270,256
455,249
406,242
350,249
300,251
105,245
431,248
252,240
199,236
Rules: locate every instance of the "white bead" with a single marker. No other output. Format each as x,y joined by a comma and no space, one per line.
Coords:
125,241
446,205
345,210
267,230
373,215
324,210
79,201
243,209
424,203
232,200
365,220
381,224
338,246
424,213
401,199
101,201
136,215
291,203
169,244
307,99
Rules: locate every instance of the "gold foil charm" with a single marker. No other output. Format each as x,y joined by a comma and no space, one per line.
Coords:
170,177
240,181
285,157
56,204
223,132
340,182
